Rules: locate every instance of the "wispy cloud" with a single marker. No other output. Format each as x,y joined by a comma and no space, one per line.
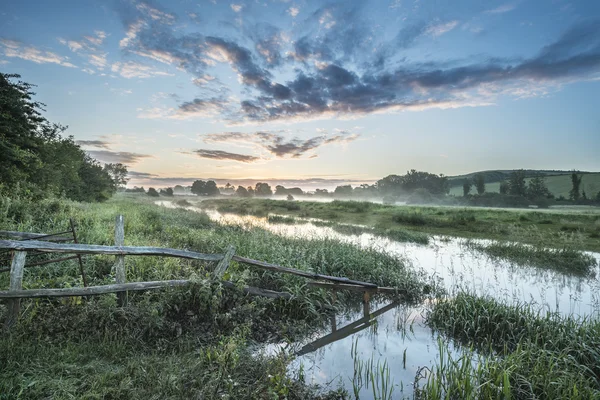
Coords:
293,11
102,144
278,145
236,7
117,156
224,155
13,48
440,29
504,8
88,47
132,69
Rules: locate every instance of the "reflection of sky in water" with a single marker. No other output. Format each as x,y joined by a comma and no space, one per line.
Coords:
402,328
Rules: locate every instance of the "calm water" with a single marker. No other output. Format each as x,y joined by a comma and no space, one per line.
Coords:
399,335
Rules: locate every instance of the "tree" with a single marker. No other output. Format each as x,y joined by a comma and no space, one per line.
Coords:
179,189
262,189
537,188
242,192
202,188
118,173
290,197
467,187
250,191
322,192
343,191
575,183
516,183
480,184
152,192
166,192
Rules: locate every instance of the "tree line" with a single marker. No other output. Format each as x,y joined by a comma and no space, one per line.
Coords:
38,161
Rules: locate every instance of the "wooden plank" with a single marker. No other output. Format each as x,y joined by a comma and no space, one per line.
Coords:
278,268
355,288
81,270
16,284
131,286
224,263
120,274
30,236
47,247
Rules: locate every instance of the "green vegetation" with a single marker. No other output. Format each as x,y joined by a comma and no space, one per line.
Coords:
179,343
573,229
532,355
37,161
565,260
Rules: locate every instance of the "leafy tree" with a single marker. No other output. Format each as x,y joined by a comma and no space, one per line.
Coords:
242,192
516,183
282,191
152,192
290,197
33,151
322,192
480,184
179,189
467,187
343,191
598,197
202,188
538,189
575,183
118,173
166,192
250,191
395,185
262,189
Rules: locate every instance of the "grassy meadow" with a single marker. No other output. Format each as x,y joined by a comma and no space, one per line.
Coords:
191,342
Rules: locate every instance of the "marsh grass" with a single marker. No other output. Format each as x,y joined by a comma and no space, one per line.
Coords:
565,260
529,354
580,228
95,349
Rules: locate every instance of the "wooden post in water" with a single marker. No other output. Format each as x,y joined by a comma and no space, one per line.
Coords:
16,283
120,275
366,305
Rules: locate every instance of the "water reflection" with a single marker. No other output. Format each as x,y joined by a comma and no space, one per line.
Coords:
397,333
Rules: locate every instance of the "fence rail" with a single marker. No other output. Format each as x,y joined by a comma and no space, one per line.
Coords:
31,243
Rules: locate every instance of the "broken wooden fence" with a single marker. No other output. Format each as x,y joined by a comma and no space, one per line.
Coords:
31,243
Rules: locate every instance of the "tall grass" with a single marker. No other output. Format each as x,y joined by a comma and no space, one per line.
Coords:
531,355
566,260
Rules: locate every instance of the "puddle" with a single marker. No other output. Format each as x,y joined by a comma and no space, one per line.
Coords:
398,334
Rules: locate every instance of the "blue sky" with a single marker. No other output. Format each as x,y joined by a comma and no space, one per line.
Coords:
315,93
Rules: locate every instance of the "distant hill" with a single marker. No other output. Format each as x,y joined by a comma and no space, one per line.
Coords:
558,182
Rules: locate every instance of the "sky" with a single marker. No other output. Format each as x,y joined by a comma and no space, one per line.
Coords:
314,93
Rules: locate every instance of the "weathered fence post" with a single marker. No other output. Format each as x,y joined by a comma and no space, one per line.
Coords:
16,283
120,275
78,255
224,263
366,303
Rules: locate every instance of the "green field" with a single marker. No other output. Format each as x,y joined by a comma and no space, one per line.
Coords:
559,185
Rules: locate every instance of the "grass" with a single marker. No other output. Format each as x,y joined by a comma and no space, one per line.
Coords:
576,229
531,354
191,342
564,260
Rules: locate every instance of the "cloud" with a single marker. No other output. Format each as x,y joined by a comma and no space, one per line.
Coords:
293,11
124,157
440,29
94,143
277,145
224,155
502,9
141,175
132,69
340,65
236,7
89,48
13,48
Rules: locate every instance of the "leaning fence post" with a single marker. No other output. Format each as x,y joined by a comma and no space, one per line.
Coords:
224,263
16,283
78,255
120,275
